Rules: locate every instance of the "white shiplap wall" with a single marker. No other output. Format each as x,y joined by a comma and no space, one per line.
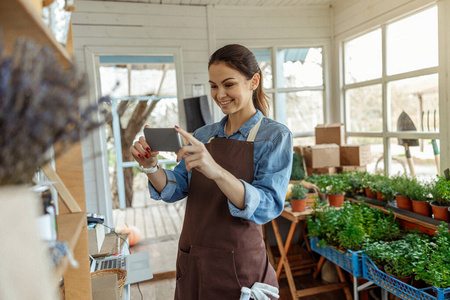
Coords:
197,30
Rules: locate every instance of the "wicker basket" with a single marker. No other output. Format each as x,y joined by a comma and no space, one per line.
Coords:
121,277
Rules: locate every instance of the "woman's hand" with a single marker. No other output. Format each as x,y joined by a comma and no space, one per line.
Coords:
196,156
143,154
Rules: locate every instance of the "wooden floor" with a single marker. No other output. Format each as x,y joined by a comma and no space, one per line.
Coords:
160,225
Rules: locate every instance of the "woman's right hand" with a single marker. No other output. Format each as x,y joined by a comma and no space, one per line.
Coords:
143,154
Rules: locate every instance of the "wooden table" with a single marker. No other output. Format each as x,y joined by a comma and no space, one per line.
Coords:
299,219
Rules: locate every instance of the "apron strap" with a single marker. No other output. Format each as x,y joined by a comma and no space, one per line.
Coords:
251,134
254,131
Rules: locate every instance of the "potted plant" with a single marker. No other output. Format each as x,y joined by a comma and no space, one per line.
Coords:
419,194
401,185
440,204
298,197
336,191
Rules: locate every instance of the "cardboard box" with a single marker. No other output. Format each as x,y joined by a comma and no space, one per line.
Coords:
355,155
333,133
322,156
96,236
105,288
327,170
351,168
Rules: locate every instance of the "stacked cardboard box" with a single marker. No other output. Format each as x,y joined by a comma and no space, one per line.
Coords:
331,154
322,159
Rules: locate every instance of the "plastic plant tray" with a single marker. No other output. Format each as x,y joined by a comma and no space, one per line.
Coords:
399,288
349,260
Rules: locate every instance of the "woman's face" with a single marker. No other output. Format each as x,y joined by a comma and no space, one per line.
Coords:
231,90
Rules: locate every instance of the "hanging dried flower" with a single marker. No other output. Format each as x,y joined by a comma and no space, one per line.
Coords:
39,106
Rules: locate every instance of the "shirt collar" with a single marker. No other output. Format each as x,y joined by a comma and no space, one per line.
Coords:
244,130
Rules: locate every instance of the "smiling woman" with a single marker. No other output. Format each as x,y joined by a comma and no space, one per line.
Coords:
235,174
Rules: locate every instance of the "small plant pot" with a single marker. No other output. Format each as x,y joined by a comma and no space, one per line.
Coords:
336,200
440,212
380,196
369,193
421,207
298,205
403,202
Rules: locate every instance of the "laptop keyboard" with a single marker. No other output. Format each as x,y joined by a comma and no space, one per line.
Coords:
119,262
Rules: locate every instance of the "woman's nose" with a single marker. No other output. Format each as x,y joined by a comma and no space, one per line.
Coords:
221,93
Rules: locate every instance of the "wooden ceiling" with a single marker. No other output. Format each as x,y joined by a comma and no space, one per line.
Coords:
235,2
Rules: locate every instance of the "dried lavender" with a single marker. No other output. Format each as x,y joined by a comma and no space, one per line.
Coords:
38,108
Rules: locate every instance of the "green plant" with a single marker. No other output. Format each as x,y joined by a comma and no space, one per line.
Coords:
440,190
355,181
338,185
432,263
298,191
298,172
401,184
418,191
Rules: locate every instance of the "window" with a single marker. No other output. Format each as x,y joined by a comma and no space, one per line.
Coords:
296,91
143,91
389,93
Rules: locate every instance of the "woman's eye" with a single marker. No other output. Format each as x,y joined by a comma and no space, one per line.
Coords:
213,86
229,85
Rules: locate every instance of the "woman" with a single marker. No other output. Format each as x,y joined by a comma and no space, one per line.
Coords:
235,174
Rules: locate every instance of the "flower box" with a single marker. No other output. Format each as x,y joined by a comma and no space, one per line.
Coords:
399,288
348,260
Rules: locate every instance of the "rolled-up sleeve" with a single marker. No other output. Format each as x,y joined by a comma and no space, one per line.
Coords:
177,185
265,196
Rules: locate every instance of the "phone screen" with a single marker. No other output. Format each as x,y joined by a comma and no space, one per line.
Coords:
163,139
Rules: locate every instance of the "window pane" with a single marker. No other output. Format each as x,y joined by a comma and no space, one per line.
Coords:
364,109
412,43
376,150
304,110
362,58
415,96
301,67
265,64
114,81
146,80
424,163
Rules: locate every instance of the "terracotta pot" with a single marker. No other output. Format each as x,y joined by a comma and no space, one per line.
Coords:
380,196
421,207
369,193
440,212
298,205
336,200
403,202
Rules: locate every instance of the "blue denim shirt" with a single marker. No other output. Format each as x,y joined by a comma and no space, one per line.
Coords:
265,196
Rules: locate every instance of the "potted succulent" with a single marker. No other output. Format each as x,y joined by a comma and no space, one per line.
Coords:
440,204
401,185
298,197
419,194
336,191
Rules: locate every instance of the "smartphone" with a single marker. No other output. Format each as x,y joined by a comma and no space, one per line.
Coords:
163,139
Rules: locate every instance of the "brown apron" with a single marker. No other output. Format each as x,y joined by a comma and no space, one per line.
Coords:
218,253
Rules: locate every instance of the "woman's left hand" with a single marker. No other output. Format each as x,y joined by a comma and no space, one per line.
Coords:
196,156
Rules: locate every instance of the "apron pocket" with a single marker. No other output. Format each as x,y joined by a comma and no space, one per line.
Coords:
219,279
182,263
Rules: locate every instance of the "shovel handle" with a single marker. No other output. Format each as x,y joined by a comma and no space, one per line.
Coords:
409,160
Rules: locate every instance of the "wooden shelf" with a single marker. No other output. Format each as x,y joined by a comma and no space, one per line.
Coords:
69,228
18,18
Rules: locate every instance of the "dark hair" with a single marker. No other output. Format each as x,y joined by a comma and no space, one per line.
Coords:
244,61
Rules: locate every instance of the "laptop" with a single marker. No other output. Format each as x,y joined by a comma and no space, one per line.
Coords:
137,266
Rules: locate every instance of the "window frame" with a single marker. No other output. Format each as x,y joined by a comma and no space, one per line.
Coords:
387,133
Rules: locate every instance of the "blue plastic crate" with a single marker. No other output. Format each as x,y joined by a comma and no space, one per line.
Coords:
349,260
397,287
